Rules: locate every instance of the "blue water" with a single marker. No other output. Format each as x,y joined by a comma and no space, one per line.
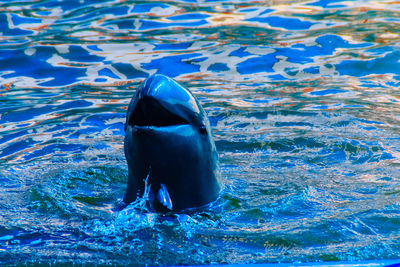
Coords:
304,104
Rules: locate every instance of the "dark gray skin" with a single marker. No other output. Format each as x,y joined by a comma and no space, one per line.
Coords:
168,141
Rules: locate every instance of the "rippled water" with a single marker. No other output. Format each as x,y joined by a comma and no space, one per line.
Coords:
304,103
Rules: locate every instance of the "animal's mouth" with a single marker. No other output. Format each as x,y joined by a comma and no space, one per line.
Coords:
150,113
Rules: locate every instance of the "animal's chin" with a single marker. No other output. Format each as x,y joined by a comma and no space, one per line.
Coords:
149,113
171,131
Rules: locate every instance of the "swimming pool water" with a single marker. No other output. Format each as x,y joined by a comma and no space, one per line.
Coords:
304,104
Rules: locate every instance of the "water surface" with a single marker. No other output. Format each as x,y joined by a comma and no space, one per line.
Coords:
302,97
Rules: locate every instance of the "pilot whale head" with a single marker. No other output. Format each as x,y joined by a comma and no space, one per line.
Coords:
169,148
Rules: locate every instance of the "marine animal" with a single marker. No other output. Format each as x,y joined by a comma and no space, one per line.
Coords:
169,148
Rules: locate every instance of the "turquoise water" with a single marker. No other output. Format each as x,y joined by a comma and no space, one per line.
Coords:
304,104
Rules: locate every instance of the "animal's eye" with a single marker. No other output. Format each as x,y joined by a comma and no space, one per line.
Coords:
203,129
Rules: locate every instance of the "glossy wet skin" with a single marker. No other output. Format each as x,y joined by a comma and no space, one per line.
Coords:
168,139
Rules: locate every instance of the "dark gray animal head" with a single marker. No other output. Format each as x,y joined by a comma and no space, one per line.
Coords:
168,141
